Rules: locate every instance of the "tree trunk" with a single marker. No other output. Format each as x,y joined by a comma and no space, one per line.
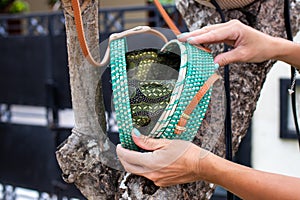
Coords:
84,156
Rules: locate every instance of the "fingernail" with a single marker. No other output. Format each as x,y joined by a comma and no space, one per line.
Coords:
217,61
217,65
181,35
136,132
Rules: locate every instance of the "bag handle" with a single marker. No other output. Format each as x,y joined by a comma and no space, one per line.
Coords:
115,36
140,29
83,43
172,25
166,17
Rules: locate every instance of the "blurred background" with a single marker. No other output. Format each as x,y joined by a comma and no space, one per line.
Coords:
35,105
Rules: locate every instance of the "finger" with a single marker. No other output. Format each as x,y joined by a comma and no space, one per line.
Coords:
147,143
130,156
227,57
184,36
135,162
131,168
215,36
128,160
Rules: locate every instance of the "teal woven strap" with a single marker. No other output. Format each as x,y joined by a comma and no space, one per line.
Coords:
120,92
179,48
200,67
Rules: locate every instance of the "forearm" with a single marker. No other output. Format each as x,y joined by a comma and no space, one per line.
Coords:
287,51
248,183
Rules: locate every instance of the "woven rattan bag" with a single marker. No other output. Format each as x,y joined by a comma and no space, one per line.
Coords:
146,95
149,100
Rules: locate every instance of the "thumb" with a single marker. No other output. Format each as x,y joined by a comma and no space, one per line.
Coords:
227,57
147,143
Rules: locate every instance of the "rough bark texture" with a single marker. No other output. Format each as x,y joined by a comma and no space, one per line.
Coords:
82,156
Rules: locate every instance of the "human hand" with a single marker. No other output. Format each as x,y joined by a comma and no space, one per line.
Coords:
249,45
170,162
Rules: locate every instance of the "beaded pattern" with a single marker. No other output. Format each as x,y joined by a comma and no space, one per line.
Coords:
150,88
196,67
148,99
120,92
173,46
200,67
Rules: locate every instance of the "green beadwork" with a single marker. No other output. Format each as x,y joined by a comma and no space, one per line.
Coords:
133,98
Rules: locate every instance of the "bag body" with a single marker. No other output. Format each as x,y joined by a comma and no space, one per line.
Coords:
155,104
162,107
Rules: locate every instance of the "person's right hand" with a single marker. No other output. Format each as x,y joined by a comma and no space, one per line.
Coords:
249,45
167,162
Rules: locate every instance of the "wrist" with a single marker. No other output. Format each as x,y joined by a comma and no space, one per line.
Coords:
212,168
286,51
205,165
279,48
273,48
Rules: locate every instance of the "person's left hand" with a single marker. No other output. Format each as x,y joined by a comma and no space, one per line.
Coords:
170,162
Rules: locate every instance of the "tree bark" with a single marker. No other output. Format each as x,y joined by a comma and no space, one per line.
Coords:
85,156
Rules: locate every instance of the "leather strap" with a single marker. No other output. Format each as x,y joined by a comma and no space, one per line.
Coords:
83,43
194,102
166,17
141,29
81,35
228,125
171,23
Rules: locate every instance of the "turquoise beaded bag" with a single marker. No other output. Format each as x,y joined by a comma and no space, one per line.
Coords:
146,94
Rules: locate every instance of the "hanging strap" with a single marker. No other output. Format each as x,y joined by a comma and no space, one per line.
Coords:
141,29
228,127
292,90
83,43
81,35
166,17
171,23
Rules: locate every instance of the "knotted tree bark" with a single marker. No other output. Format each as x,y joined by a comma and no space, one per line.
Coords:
85,156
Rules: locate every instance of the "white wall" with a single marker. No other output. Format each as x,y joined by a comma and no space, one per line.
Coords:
270,153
